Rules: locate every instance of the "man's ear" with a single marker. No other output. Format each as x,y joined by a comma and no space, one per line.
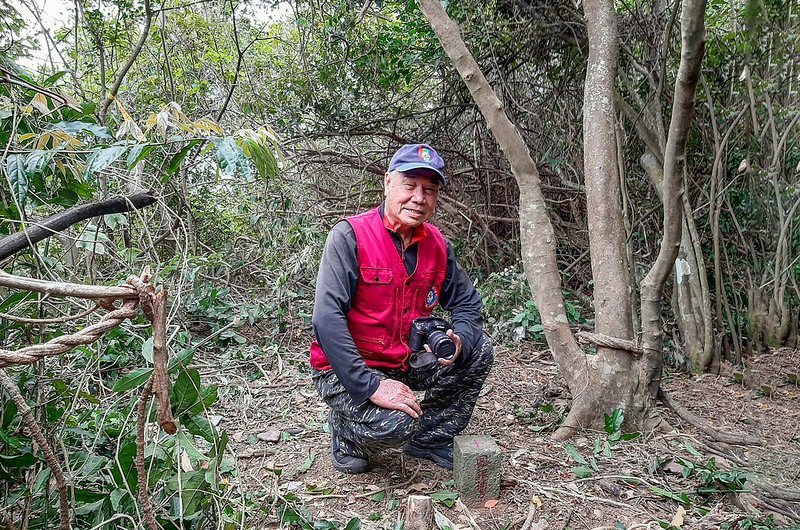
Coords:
387,179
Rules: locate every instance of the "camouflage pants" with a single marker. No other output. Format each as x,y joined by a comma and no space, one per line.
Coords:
451,392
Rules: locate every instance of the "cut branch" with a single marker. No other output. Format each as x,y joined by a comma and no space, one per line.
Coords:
92,292
56,223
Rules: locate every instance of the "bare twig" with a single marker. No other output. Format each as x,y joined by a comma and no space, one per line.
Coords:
148,18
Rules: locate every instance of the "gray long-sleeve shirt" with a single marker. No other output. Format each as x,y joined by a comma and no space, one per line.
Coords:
336,285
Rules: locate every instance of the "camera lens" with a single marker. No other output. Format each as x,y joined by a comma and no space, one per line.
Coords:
441,345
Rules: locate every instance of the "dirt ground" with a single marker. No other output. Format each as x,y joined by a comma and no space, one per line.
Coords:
276,422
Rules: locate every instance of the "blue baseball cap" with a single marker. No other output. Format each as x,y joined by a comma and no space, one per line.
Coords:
418,156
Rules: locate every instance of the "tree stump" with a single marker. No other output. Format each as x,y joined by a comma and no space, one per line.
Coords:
419,513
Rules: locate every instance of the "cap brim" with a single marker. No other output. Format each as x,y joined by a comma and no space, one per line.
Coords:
402,168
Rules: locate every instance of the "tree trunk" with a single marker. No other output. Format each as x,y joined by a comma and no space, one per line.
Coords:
537,234
612,378
612,384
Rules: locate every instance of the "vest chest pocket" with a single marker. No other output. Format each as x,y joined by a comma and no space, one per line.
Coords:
376,275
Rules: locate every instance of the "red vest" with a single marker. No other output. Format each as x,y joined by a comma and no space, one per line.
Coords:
387,299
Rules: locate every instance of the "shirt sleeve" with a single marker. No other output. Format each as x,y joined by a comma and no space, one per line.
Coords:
462,300
336,285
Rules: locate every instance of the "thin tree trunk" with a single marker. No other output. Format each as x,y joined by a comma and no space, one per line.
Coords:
692,47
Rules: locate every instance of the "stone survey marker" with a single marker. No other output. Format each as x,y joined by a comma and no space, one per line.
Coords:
476,468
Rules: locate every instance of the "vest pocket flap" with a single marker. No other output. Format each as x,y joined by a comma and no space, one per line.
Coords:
376,275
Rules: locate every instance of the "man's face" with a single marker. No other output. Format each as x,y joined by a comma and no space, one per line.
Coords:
411,197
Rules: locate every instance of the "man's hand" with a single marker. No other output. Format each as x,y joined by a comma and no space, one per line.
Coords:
395,395
457,340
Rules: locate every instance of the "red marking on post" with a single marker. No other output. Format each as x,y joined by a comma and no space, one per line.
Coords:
476,443
482,475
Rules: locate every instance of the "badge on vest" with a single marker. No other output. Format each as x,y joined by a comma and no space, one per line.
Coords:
432,299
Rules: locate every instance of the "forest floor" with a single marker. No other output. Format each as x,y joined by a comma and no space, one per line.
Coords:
277,427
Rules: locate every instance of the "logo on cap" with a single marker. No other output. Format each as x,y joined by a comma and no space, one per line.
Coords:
424,153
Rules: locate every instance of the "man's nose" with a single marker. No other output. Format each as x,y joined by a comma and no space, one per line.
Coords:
418,196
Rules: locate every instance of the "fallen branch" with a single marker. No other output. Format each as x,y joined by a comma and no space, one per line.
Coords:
702,424
56,223
30,422
76,290
160,360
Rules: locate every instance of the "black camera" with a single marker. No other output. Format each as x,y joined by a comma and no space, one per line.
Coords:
433,332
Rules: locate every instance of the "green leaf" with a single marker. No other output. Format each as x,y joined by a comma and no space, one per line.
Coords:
50,81
231,159
116,496
308,462
262,157
176,160
378,497
191,451
613,422
123,471
582,472
91,507
42,479
353,524
147,349
75,127
134,379
91,466
181,361
199,426
448,498
14,299
692,451
99,160
679,497
186,391
138,152
575,455
18,175
23,460
37,161
192,494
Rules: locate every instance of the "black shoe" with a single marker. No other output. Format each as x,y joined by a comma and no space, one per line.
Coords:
349,464
442,456
344,462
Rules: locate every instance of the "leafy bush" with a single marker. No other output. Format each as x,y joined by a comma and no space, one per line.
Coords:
510,312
